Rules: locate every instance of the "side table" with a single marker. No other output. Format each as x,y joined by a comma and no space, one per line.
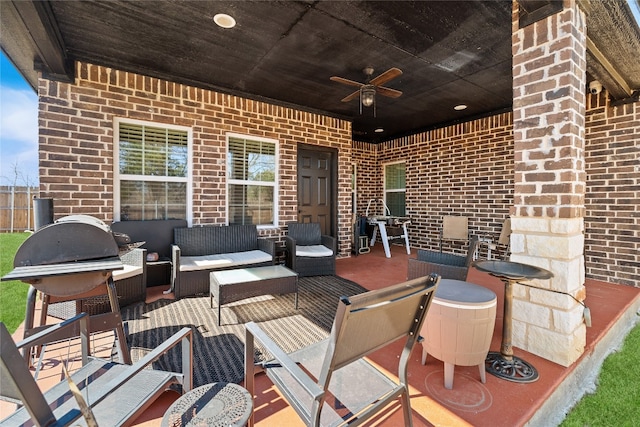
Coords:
459,327
234,285
504,364
215,404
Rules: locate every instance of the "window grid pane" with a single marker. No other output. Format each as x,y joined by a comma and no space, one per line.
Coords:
151,151
395,192
143,200
394,176
251,169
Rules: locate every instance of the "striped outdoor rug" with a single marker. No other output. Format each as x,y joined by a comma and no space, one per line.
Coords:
218,351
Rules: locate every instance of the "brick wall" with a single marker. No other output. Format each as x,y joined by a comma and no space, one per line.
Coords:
467,169
76,141
464,169
612,222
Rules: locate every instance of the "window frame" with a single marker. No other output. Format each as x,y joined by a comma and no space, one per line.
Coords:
395,190
275,184
118,177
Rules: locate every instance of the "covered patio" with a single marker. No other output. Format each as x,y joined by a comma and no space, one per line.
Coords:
521,110
497,402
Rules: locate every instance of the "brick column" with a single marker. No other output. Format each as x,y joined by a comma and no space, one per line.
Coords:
549,63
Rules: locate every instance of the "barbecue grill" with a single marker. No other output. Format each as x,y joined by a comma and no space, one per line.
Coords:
72,259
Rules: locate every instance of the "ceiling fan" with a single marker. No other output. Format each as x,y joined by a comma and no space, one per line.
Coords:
368,90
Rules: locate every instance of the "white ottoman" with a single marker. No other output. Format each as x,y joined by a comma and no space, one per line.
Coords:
459,326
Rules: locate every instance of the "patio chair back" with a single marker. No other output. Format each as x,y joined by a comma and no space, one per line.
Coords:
116,393
454,228
338,366
18,385
305,234
369,321
504,240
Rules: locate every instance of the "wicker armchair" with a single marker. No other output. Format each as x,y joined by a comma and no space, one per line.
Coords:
130,287
448,266
309,252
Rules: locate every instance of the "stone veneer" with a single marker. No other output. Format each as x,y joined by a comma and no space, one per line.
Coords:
549,77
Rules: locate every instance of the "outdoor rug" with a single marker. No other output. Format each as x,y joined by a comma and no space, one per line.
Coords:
218,351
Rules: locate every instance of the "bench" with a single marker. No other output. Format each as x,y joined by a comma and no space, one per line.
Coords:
197,251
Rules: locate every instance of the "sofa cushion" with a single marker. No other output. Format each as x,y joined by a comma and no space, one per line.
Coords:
218,261
313,251
127,272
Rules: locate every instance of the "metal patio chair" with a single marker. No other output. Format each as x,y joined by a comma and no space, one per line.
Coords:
454,228
504,240
116,393
331,382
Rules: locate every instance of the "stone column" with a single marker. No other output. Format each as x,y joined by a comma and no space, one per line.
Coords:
549,80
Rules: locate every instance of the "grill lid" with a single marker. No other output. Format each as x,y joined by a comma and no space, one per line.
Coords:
70,239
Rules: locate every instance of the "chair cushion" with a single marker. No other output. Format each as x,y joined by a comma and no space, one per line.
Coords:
212,262
313,251
127,272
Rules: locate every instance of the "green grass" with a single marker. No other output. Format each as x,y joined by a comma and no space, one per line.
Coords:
13,294
616,401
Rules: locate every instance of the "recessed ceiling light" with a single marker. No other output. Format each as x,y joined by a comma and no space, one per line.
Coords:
225,21
460,107
379,130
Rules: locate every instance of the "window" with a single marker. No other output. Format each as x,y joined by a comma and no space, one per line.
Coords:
152,176
395,188
251,184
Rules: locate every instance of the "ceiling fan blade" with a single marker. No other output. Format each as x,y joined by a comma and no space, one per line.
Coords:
345,81
352,96
391,93
390,74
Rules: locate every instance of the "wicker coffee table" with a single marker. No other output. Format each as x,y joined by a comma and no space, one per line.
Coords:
212,405
234,285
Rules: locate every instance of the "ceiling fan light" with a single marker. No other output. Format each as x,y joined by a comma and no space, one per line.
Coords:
368,94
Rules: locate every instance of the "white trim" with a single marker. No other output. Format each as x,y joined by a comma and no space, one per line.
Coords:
276,182
394,190
116,169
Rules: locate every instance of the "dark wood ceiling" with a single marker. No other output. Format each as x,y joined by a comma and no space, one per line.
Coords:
284,52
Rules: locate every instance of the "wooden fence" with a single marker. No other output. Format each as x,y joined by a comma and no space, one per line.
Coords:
16,208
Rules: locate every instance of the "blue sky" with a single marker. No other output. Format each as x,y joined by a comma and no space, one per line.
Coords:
18,128
19,123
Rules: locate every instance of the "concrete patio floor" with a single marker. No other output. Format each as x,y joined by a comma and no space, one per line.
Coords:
615,309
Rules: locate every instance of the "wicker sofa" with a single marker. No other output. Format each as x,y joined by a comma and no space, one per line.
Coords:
448,266
197,251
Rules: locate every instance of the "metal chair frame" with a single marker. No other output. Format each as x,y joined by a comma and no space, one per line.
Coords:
116,393
331,382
